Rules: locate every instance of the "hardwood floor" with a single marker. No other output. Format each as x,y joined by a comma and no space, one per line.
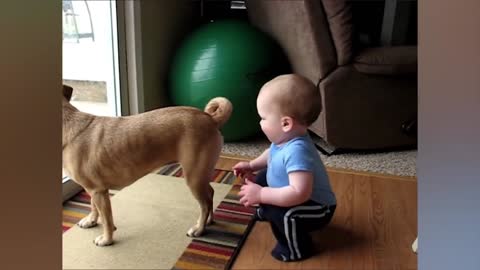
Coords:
373,227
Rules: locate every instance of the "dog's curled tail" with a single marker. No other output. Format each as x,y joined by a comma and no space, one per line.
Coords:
219,109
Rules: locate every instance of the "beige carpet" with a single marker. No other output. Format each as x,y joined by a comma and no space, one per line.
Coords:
152,217
402,163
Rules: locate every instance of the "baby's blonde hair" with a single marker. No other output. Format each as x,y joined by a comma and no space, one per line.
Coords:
295,96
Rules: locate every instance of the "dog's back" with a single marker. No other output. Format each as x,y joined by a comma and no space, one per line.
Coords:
102,153
111,146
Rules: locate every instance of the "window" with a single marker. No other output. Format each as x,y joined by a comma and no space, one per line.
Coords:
90,62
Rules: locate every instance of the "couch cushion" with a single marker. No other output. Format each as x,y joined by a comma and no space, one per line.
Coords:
387,60
339,17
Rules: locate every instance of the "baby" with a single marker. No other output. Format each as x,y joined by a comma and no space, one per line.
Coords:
292,189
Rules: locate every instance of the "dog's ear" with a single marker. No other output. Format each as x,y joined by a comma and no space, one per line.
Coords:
67,92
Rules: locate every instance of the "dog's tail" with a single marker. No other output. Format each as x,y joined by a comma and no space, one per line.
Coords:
219,109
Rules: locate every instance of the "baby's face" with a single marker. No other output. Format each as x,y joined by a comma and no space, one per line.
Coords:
270,117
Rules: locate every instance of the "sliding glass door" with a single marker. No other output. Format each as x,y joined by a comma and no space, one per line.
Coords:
90,61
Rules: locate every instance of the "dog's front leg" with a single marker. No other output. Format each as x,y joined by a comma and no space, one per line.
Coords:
102,201
92,218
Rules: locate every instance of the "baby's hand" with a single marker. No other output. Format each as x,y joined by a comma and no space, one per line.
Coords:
243,170
249,194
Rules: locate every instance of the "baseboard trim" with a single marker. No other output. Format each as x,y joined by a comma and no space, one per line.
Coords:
339,170
372,174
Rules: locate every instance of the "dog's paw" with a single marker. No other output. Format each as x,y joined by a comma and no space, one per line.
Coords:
102,241
194,232
86,222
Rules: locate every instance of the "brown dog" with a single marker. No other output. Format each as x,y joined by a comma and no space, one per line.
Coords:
102,153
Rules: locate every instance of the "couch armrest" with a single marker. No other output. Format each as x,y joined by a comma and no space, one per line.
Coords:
395,60
302,30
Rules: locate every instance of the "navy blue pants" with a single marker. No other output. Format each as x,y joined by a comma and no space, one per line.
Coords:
291,226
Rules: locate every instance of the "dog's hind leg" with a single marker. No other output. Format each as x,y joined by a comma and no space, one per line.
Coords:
198,162
198,173
200,190
102,200
210,212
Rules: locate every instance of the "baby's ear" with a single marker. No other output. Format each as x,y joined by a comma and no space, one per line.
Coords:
287,123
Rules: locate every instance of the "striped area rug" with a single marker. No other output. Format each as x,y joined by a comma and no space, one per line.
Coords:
222,240
76,208
219,176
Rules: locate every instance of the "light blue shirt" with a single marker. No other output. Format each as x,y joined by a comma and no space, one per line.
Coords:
299,154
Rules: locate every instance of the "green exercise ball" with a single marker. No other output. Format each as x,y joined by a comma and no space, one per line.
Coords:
228,58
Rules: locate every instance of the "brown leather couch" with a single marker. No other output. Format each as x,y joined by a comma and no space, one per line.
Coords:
369,96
